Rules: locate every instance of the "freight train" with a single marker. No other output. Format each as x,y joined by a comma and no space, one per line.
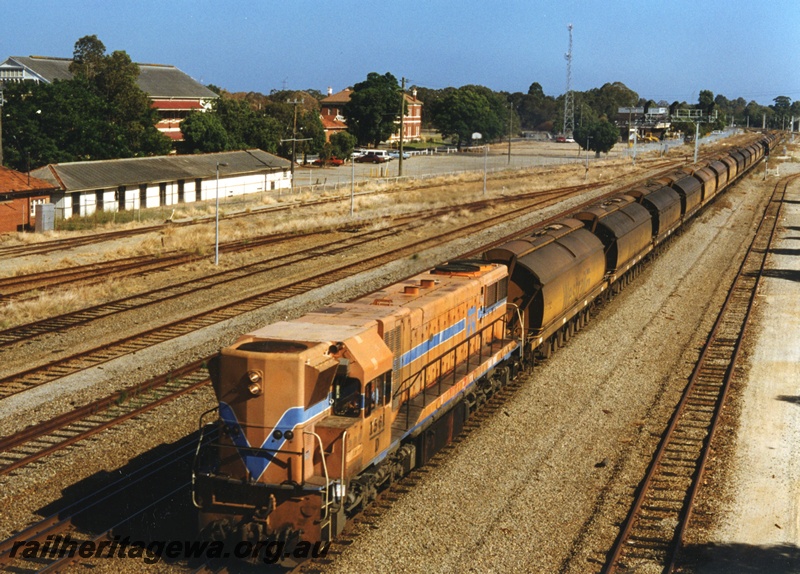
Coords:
316,415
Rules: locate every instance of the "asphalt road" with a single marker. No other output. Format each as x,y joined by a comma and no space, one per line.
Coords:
523,154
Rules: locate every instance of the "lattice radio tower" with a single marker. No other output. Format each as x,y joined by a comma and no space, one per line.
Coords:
569,102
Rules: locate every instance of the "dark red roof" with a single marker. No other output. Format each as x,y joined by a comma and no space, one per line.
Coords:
11,181
330,123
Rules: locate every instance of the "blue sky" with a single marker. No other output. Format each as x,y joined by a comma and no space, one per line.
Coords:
666,50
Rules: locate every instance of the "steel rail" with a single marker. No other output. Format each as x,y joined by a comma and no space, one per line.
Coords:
81,423
707,388
55,369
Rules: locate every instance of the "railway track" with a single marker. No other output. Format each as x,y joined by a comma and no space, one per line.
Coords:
20,287
652,535
61,244
105,513
55,369
100,237
31,285
42,439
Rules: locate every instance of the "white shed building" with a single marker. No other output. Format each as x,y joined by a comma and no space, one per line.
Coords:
137,183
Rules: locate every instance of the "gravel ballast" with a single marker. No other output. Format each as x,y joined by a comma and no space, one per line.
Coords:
540,486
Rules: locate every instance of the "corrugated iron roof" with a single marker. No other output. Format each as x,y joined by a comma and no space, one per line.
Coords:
156,80
104,174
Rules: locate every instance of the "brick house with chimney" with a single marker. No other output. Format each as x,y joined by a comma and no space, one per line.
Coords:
333,120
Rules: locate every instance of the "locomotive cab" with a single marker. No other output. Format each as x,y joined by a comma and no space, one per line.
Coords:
289,396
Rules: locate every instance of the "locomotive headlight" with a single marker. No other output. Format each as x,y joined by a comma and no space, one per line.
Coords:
277,435
288,435
255,382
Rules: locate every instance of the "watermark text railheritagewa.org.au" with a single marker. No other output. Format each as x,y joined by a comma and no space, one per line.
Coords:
151,552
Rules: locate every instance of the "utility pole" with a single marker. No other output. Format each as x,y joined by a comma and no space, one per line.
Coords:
294,138
402,126
569,103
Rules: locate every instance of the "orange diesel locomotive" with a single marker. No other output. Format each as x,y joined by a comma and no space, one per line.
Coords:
318,413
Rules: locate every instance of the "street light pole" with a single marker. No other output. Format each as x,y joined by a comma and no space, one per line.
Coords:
510,120
216,219
353,183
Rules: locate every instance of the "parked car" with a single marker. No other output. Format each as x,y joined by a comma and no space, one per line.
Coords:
374,156
357,153
331,161
396,154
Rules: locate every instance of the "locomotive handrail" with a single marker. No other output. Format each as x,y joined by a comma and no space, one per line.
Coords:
197,454
521,318
341,476
405,388
325,469
406,385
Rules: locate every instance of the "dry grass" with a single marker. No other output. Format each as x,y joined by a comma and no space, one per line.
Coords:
375,201
58,302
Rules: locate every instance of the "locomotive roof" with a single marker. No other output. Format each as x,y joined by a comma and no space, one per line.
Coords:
341,321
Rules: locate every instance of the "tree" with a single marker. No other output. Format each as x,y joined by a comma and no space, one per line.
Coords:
601,135
373,109
705,102
606,101
203,133
467,110
343,144
536,110
782,109
87,57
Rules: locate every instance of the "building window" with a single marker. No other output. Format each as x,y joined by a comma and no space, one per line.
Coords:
162,193
98,201
34,203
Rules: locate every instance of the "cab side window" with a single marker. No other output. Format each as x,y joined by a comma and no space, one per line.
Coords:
346,396
369,400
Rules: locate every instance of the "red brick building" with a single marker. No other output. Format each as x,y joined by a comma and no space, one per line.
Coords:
19,195
173,94
332,120
330,111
